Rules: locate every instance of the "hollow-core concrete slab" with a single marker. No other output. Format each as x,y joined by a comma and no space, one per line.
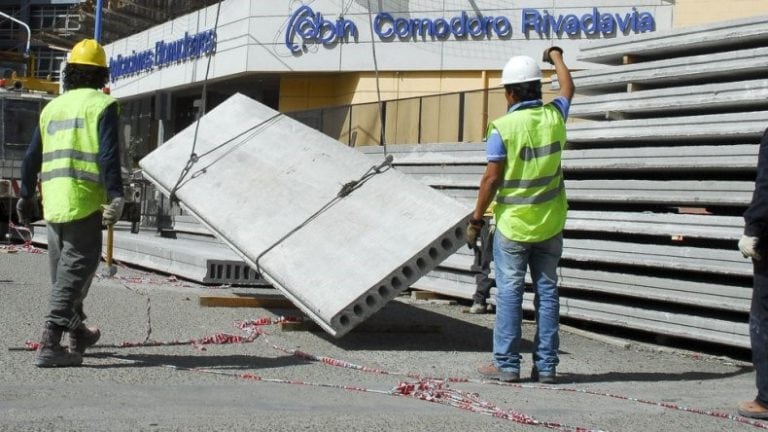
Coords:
272,189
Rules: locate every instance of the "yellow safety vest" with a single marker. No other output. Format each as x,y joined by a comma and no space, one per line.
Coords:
531,204
70,175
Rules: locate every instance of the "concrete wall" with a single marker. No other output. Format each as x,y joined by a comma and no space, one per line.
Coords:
693,12
308,91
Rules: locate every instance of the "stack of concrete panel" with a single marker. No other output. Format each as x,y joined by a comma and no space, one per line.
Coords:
659,167
626,245
199,258
338,235
705,38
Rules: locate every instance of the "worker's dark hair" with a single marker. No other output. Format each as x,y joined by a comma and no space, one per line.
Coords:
525,91
84,76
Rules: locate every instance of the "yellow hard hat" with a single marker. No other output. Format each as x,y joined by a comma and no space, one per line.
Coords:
88,52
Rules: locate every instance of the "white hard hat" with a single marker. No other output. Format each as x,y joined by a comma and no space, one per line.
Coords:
520,69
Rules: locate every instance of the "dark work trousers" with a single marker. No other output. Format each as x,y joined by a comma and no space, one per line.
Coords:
74,250
758,327
481,267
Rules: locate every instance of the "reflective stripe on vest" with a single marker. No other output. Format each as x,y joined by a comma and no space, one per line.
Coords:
524,184
55,126
70,174
531,205
73,172
535,199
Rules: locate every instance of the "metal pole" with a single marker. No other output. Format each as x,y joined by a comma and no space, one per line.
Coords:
26,27
97,25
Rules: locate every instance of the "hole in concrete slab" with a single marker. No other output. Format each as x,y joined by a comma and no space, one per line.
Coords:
359,311
446,244
396,284
459,233
383,291
421,264
344,320
370,301
433,253
407,272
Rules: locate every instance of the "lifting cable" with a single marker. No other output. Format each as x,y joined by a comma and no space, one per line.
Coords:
193,157
243,137
351,186
382,114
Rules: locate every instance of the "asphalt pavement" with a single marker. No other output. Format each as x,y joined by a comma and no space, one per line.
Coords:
143,375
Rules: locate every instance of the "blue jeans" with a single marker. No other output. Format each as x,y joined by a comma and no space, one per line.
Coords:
512,260
758,327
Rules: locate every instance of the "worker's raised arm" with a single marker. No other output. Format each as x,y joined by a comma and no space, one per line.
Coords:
554,56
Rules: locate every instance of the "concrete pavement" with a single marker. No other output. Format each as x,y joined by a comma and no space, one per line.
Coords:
181,388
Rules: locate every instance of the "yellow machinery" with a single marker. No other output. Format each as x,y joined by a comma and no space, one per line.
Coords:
27,81
25,61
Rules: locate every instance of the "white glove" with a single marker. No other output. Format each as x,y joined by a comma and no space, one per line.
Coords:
748,247
113,211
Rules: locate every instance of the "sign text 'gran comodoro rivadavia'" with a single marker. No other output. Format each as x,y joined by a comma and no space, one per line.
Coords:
305,26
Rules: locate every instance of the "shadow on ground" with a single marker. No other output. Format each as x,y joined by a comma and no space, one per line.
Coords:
650,376
219,362
400,326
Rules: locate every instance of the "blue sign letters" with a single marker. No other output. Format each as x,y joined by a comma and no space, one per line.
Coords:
589,24
165,53
311,27
387,27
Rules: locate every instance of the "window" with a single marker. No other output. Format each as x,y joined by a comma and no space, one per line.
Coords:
48,63
54,18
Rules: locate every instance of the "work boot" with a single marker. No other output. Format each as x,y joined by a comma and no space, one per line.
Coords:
51,353
491,372
549,377
753,409
82,338
477,308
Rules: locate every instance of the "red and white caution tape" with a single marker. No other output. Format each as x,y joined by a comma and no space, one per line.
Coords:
435,390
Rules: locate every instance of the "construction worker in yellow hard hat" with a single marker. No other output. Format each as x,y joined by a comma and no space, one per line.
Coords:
88,52
75,150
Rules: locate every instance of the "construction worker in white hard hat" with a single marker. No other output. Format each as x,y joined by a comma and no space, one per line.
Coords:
523,149
75,150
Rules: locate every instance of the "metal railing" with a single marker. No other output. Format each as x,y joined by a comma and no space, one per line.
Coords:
450,117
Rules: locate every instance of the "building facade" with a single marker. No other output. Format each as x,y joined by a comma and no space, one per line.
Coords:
439,57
